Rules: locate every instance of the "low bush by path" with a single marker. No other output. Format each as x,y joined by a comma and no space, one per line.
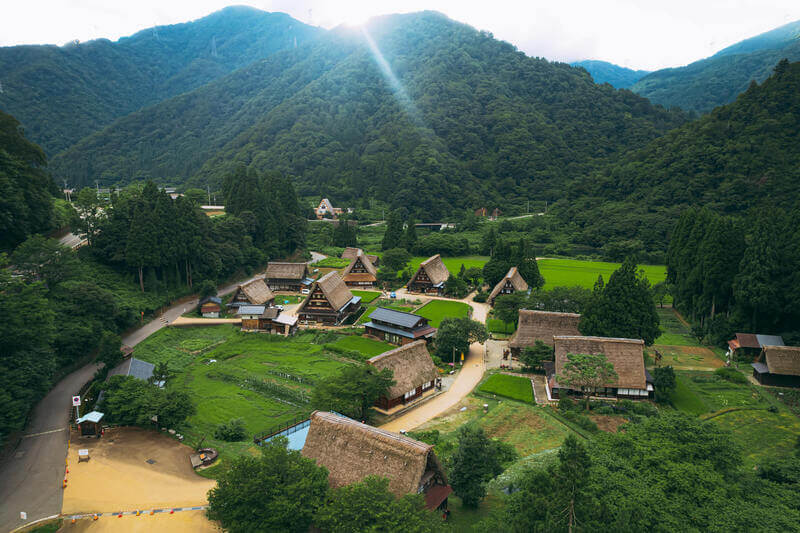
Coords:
514,387
437,310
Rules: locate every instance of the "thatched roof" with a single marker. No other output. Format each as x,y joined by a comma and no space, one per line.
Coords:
371,273
334,289
351,252
543,326
411,364
286,270
435,269
782,359
516,280
626,355
257,292
352,451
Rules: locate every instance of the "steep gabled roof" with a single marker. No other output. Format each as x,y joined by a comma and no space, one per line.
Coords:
277,270
516,280
257,292
411,364
360,256
782,359
352,451
542,326
435,269
626,355
334,289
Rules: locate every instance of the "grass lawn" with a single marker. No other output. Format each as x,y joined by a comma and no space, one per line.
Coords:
332,262
263,379
514,387
464,518
570,272
366,296
495,325
453,264
288,299
368,347
436,310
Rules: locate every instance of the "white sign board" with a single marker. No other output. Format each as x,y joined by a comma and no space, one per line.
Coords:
76,401
23,515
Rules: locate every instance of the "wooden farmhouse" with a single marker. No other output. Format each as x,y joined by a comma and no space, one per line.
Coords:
511,283
254,292
350,253
414,373
360,273
329,301
267,319
627,355
325,209
351,451
210,307
398,327
541,326
288,276
430,277
751,345
484,212
778,366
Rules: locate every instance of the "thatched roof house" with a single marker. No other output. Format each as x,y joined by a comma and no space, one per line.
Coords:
351,252
352,451
287,276
542,326
627,356
360,272
778,366
254,292
329,301
430,277
752,343
511,282
413,370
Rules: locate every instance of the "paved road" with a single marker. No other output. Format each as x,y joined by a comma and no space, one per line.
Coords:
316,257
30,480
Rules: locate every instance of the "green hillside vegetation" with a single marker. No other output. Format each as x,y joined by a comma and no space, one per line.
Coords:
62,94
614,75
466,127
741,155
719,79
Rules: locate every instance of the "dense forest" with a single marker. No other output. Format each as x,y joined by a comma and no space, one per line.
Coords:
417,110
719,79
740,156
614,75
62,94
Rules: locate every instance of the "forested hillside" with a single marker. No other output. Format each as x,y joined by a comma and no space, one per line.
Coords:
417,110
61,94
719,79
741,156
605,72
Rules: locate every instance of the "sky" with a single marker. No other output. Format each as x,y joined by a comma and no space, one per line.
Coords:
639,34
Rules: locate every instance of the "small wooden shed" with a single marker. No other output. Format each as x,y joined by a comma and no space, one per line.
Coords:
89,424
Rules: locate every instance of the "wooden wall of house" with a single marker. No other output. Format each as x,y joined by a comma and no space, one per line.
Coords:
250,323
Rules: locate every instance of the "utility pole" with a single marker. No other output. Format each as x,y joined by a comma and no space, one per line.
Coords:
208,190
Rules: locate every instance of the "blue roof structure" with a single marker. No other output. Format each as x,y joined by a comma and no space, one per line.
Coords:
398,318
94,416
141,369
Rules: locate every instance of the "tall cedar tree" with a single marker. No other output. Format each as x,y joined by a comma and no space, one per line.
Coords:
473,464
410,238
624,307
393,236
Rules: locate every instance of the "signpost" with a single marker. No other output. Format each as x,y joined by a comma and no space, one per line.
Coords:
76,403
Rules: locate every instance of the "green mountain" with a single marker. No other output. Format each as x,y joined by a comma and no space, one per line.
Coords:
739,156
605,72
62,94
416,110
719,79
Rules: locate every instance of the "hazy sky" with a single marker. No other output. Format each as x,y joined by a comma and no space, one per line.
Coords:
642,34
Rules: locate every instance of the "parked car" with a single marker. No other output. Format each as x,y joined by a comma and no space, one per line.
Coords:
305,291
393,295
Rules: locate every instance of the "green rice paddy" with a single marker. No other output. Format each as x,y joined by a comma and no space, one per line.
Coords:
437,310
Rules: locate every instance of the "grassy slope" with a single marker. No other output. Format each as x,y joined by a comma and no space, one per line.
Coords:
436,310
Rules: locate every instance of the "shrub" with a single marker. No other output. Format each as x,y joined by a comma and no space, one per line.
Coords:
232,431
730,374
566,404
480,297
581,420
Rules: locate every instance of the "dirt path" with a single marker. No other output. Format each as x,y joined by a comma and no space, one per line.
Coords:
183,521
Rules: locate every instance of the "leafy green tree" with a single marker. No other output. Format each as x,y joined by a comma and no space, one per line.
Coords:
369,506
231,431
410,237
43,259
473,464
456,334
196,196
90,213
129,401
353,391
488,241
664,383
473,276
534,356
455,287
344,233
278,491
587,372
207,288
395,259
624,307
393,236
559,299
469,222
507,306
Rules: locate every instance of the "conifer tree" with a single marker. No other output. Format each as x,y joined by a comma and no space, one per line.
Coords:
393,237
411,234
